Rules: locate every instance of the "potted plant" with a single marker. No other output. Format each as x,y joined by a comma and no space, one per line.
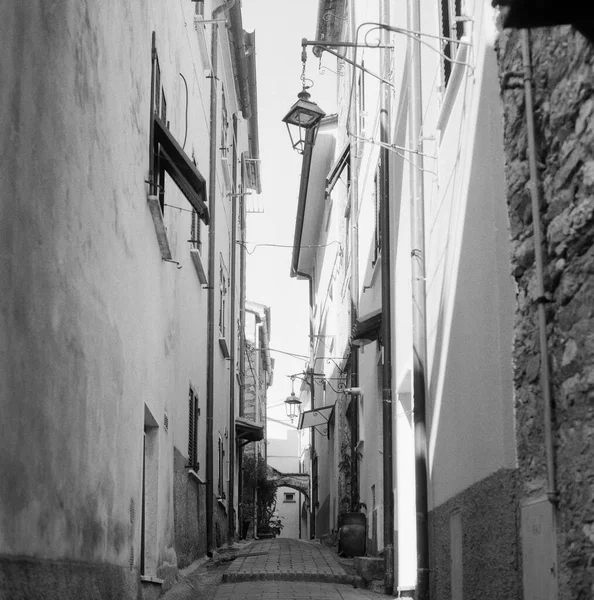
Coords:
352,522
258,499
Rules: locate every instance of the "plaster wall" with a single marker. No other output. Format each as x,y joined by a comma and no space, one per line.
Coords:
94,325
288,510
470,292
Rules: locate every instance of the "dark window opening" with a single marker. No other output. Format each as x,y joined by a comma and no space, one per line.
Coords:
221,485
193,413
451,27
377,245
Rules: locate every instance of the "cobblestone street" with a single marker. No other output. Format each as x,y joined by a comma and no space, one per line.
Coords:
274,570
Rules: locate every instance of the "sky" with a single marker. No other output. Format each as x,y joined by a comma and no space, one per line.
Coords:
279,28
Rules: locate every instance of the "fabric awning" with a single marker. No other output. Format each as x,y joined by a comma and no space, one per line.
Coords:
247,431
318,418
181,169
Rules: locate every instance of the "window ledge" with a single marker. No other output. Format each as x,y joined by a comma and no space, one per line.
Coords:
199,265
224,347
223,503
157,214
376,269
150,579
226,167
194,475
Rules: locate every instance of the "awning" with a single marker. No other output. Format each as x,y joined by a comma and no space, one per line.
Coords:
367,330
318,417
181,169
247,431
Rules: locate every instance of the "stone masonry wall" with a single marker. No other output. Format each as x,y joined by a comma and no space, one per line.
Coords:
490,554
564,113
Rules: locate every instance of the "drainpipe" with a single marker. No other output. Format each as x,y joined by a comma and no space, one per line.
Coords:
545,382
305,169
233,340
419,309
386,270
212,189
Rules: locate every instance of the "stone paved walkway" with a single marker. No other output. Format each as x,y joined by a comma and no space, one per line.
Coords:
279,569
293,590
284,559
286,569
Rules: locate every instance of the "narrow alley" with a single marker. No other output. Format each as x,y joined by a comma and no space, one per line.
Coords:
296,300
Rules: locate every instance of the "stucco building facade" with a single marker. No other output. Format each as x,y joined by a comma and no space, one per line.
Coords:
133,136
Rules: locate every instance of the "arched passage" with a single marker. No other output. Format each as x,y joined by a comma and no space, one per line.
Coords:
297,481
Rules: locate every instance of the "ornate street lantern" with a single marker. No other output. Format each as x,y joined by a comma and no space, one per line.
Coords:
303,121
292,403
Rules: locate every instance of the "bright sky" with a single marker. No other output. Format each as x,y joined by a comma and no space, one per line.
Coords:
279,28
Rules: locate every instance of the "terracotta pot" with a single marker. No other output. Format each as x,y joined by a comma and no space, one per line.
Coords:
352,534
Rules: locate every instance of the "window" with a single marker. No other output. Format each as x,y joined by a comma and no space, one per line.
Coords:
193,414
361,96
166,154
451,27
289,497
224,126
223,283
221,485
199,8
377,201
159,108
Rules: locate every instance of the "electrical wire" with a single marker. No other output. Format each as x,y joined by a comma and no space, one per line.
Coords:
256,246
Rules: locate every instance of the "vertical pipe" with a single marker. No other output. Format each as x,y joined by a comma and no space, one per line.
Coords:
545,382
212,190
419,310
234,346
385,137
314,474
242,292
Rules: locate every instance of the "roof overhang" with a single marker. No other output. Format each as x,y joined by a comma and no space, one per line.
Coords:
318,418
247,431
368,329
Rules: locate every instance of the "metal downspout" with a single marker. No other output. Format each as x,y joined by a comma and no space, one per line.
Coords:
212,189
303,183
234,345
545,381
385,137
419,309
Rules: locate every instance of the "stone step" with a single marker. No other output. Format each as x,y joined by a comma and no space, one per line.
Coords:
292,575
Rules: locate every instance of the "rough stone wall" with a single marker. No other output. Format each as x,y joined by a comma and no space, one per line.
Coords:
490,553
564,110
189,505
